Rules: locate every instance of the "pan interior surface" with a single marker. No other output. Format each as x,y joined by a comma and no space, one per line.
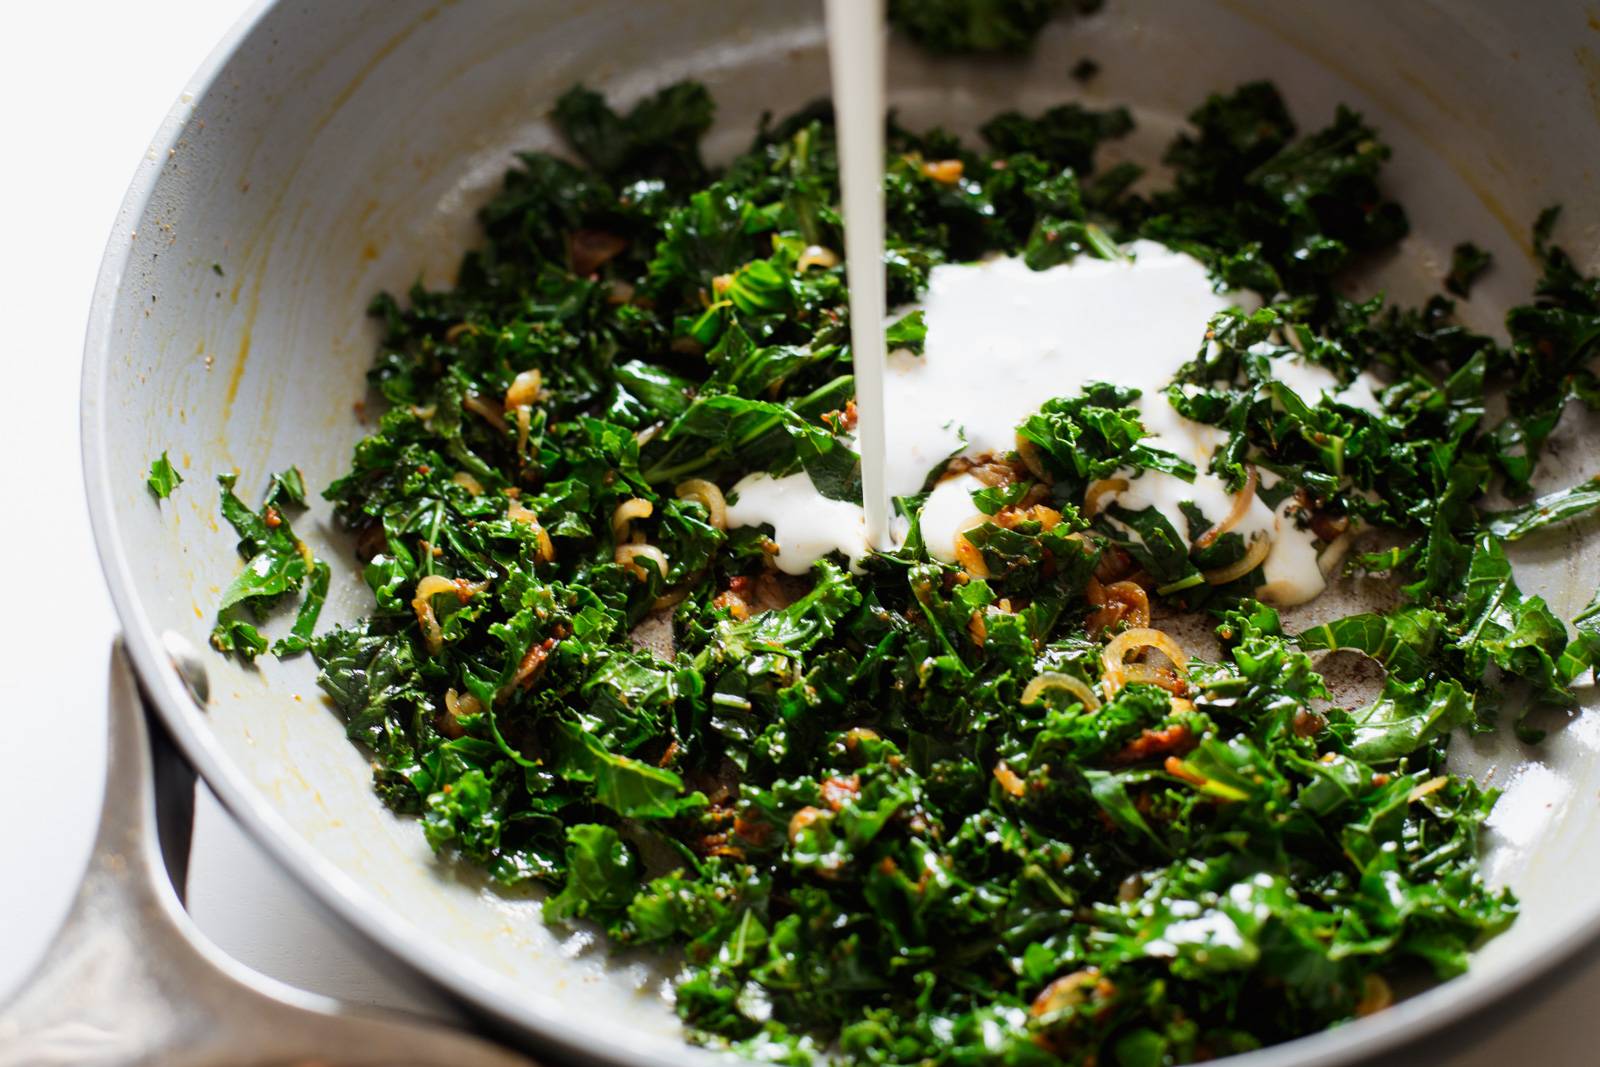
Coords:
333,151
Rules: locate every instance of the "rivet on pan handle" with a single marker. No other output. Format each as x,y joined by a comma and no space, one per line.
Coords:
129,979
190,667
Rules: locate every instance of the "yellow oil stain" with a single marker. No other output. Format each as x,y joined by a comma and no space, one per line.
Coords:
369,252
236,375
1519,230
266,226
1425,90
384,52
197,612
1590,63
186,461
1594,21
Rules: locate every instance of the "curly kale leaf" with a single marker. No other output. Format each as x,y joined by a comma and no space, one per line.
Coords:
1468,263
1548,510
1065,136
602,874
277,564
658,138
952,27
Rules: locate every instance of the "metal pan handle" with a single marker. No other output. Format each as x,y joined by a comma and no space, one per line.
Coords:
130,979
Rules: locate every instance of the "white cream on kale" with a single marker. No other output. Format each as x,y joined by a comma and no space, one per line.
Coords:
1311,380
947,511
1290,574
1002,339
806,524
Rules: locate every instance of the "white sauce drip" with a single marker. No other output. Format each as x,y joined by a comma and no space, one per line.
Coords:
856,65
1311,380
947,511
1002,339
808,525
1290,573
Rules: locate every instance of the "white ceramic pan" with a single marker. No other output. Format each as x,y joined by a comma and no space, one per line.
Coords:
330,150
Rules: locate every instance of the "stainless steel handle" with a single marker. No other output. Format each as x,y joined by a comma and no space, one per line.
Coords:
131,980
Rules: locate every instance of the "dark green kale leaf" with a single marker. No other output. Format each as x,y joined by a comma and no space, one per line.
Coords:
627,786
1500,626
956,26
277,564
1584,652
1548,510
1267,211
659,138
1468,263
1553,342
1403,641
1405,717
603,874
1091,436
1065,136
298,639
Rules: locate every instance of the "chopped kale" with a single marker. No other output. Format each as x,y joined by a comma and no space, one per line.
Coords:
277,565
952,27
917,813
1468,263
163,478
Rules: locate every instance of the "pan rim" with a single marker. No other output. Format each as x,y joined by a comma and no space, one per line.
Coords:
379,925
549,1018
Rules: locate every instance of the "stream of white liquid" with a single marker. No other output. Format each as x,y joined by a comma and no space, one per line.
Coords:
856,60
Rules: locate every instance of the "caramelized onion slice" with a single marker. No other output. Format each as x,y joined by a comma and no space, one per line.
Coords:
1112,656
629,555
1329,559
1241,504
458,705
622,518
422,603
1150,674
519,512
1054,680
524,389
1031,458
480,406
816,256
967,553
1255,555
1099,490
709,495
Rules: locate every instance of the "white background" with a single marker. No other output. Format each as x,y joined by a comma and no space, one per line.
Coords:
83,87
